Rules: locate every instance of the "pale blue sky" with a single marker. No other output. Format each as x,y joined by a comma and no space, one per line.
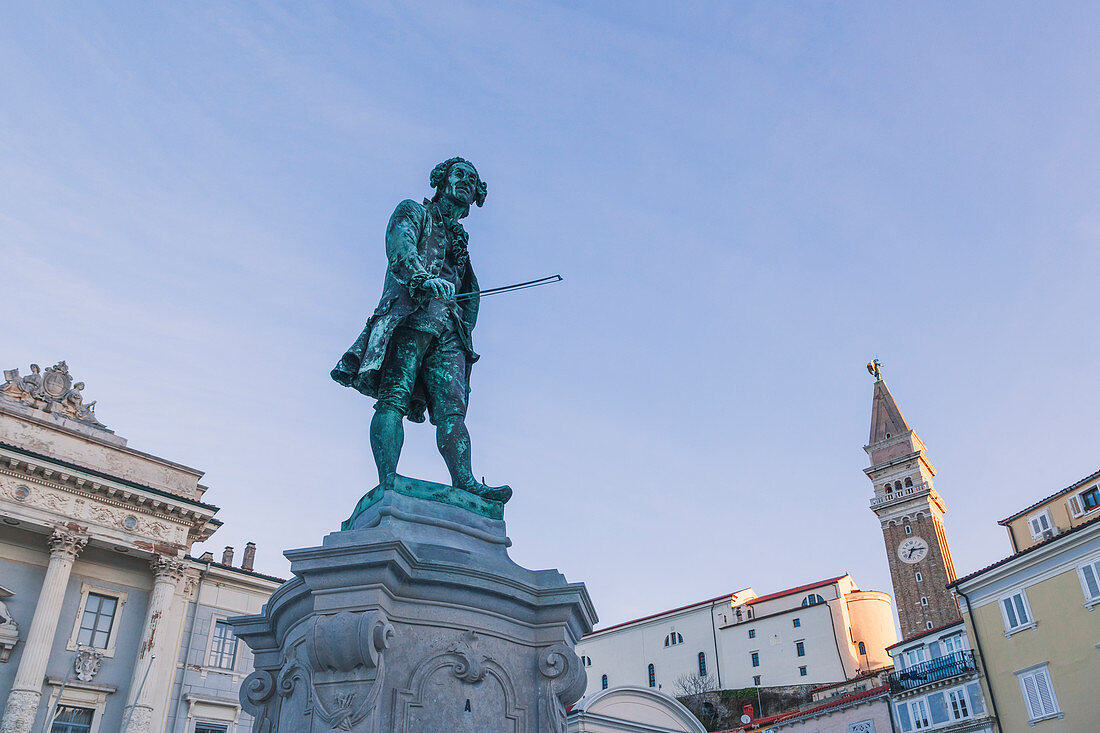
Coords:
747,200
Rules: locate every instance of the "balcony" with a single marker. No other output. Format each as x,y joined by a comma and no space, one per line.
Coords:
941,668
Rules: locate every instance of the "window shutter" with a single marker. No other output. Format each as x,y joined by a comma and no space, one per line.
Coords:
1092,579
1046,697
1031,696
1075,506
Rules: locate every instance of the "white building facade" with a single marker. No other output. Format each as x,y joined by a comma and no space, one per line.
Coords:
106,622
814,634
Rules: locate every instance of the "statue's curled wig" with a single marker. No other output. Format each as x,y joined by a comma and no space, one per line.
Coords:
441,171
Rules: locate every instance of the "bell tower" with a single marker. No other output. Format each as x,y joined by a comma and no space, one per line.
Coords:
911,514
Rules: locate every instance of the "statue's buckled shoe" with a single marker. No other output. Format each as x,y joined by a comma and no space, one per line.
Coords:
492,493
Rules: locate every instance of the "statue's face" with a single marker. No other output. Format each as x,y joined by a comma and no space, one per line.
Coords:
461,185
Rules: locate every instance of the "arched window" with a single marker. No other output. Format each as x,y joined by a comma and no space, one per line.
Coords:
862,649
908,481
897,486
673,639
652,676
702,664
586,661
603,682
812,600
888,487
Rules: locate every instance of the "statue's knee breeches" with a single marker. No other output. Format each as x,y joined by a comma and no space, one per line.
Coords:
440,364
444,374
404,357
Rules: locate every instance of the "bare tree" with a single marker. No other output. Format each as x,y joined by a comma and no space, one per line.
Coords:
700,695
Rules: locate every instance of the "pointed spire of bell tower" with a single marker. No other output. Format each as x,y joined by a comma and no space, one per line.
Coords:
886,418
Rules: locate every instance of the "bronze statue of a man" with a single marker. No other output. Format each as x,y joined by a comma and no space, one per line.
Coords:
416,351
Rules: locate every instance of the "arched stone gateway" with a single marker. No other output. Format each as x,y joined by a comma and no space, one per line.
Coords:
631,710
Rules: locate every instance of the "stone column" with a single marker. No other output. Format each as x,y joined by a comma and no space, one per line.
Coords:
26,691
155,655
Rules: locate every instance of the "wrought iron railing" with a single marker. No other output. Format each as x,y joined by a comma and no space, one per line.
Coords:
941,668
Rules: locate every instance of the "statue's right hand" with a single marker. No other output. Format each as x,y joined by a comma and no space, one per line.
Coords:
439,288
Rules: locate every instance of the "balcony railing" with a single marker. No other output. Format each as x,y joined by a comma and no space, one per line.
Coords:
941,668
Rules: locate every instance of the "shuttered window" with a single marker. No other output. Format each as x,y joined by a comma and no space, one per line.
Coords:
1090,581
1038,692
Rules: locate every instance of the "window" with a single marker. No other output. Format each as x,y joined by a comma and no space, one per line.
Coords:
586,661
652,676
797,622
673,639
800,648
1017,615
908,482
223,646
755,659
863,726
928,625
756,680
913,656
210,728
862,649
957,700
603,682
919,712
1038,692
802,672
952,644
897,486
1040,523
812,600
919,577
924,600
1085,502
1090,582
97,620
908,529
752,633
72,720
702,664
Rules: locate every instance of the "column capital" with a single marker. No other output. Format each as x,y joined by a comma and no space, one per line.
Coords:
66,543
167,568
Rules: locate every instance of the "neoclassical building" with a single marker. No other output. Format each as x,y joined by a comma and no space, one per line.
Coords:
107,623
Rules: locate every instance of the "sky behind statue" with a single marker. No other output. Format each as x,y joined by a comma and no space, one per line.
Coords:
748,202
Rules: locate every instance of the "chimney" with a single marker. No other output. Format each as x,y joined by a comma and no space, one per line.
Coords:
249,557
227,556
207,557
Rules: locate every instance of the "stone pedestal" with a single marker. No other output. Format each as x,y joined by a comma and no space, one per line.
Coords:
413,619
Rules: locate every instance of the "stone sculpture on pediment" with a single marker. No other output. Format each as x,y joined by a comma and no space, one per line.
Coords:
51,391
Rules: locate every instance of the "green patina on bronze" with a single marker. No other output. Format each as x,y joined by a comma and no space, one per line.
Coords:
416,351
431,491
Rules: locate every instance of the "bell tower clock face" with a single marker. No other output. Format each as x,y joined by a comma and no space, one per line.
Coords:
912,550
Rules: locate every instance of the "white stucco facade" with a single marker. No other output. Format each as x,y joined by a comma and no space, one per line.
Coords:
631,710
744,639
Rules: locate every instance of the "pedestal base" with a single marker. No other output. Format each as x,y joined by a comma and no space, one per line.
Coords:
415,620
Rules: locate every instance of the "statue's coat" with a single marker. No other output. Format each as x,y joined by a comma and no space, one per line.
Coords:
413,238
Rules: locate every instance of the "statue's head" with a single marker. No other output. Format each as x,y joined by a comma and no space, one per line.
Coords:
457,179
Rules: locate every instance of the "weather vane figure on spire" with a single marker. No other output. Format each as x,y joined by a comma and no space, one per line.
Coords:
874,368
416,351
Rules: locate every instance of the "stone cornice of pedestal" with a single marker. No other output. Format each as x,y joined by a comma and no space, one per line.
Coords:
322,581
43,492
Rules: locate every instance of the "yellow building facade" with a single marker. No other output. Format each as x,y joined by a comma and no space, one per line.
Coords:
1033,616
